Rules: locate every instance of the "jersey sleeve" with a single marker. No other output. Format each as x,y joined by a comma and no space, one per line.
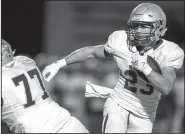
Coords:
25,60
114,41
175,59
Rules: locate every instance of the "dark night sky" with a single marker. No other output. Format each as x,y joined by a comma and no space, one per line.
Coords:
21,23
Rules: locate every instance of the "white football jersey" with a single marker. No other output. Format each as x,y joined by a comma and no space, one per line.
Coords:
26,104
130,92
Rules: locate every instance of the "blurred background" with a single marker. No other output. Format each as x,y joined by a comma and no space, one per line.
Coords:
49,30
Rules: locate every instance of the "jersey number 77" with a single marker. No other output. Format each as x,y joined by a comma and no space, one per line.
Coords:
23,78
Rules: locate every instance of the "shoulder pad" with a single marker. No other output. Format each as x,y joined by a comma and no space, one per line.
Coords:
116,38
24,59
168,47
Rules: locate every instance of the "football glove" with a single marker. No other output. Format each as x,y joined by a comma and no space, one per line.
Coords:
51,70
139,62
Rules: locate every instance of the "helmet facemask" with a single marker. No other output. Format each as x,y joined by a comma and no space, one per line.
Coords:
141,34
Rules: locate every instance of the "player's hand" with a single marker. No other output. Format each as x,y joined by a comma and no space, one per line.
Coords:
50,71
140,63
18,128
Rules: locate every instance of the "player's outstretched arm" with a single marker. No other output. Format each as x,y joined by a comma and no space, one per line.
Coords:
85,53
77,56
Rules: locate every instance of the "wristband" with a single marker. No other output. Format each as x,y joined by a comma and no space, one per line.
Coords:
61,63
147,70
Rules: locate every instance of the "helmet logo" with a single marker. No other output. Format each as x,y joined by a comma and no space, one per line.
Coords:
135,18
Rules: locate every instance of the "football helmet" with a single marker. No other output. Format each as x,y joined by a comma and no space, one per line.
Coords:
147,24
7,54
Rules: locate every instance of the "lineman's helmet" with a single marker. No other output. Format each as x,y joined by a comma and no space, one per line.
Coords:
6,52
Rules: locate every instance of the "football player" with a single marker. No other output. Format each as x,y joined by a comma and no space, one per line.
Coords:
132,106
26,105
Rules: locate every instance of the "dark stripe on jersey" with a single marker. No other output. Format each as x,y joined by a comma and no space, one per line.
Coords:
158,43
2,101
128,119
105,123
107,54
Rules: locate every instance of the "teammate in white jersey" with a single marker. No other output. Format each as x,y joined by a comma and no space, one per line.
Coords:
26,106
132,106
